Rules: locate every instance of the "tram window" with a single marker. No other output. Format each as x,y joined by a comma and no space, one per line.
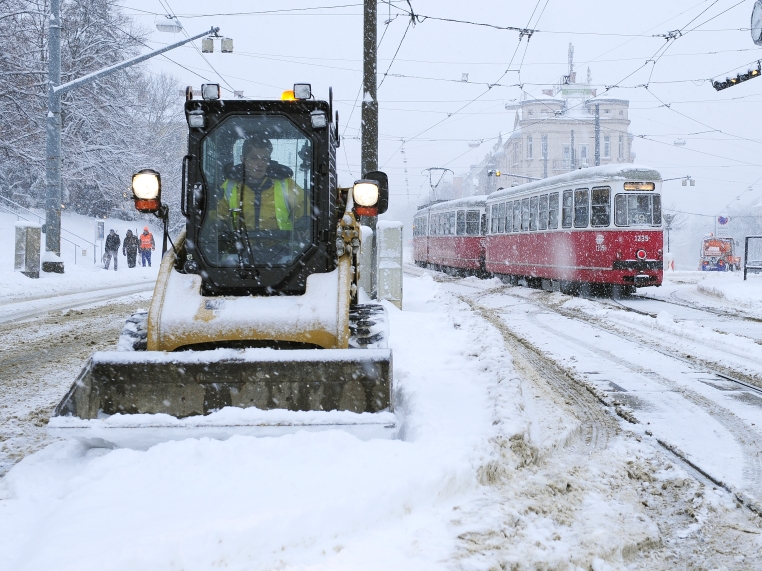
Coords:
461,224
517,216
581,208
637,210
451,216
425,226
501,218
533,204
472,222
657,210
553,211
484,224
525,214
542,223
601,206
568,206
493,219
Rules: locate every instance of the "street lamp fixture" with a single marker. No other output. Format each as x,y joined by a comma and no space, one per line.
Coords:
169,24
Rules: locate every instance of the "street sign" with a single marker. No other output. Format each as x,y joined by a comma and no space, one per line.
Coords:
99,232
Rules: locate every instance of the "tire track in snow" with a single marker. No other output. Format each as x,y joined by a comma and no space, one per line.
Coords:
596,426
39,360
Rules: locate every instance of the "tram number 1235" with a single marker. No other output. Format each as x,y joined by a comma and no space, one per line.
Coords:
641,237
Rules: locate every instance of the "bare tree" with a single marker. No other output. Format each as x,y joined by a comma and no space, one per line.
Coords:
110,128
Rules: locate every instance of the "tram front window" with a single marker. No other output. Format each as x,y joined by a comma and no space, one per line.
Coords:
258,175
638,210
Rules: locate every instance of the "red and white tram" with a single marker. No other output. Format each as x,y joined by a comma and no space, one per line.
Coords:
450,235
599,225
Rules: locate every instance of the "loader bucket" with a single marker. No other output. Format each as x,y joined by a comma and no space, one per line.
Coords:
285,390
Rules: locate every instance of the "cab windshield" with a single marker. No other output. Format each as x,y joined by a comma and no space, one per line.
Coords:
258,176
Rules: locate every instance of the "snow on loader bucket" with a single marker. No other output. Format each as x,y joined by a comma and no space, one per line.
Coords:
137,399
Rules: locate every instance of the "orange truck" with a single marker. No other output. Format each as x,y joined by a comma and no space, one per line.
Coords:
718,255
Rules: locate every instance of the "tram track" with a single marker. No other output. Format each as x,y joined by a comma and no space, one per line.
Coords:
564,380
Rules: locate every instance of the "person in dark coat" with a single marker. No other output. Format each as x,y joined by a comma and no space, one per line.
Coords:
130,248
112,249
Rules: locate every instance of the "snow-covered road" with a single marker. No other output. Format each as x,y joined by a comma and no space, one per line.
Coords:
516,451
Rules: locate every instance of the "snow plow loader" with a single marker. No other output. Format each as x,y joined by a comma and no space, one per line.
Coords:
256,324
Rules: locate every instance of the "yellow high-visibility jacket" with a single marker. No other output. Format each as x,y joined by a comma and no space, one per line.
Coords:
281,204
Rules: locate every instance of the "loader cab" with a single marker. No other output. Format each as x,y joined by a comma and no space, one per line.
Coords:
259,194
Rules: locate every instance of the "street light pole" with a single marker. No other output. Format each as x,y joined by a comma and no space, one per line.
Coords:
53,128
53,144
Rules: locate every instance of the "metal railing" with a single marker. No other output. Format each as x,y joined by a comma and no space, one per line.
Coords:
15,208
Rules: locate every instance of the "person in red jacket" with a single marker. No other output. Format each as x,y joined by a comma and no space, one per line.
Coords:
146,247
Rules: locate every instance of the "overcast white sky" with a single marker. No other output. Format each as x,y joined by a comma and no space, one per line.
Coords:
438,115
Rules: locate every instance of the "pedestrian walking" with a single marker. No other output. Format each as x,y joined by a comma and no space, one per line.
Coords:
130,248
112,249
147,246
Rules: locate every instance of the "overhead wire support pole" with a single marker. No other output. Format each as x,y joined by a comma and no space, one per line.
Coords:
369,122
53,184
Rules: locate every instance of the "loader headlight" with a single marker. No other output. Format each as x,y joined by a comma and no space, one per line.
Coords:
365,192
146,191
146,185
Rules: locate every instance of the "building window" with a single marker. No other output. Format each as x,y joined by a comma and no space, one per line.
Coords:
606,147
621,147
544,146
583,154
529,146
621,111
567,155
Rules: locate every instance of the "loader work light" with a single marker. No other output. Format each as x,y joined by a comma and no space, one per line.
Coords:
146,190
319,120
302,90
210,91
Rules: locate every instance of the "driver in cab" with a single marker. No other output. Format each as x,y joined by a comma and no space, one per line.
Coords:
260,194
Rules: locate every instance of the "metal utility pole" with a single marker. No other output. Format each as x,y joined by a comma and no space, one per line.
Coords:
573,161
53,126
369,127
668,218
597,135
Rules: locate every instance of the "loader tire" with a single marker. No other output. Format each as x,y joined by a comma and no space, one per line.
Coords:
134,335
368,326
